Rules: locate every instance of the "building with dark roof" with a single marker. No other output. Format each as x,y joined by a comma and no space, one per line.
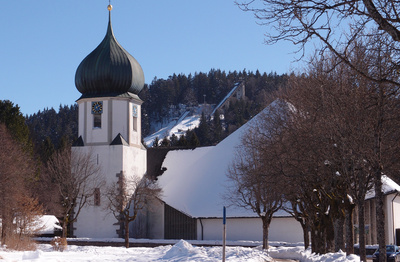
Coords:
109,128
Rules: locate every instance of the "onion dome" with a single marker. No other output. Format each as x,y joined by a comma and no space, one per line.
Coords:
109,70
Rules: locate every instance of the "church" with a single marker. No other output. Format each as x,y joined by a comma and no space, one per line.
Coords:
193,181
109,125
109,128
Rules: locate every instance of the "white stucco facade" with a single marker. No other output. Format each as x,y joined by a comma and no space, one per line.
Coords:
119,115
392,207
127,156
284,229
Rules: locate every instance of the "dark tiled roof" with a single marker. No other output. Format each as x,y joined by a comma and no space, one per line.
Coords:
119,140
78,142
109,69
126,95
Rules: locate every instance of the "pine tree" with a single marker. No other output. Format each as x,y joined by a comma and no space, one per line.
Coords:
203,131
165,142
11,116
156,142
194,140
173,140
182,142
46,150
217,128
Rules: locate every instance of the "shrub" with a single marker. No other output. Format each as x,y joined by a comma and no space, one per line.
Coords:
21,243
59,243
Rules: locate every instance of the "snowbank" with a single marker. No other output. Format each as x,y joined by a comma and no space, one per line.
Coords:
181,251
298,253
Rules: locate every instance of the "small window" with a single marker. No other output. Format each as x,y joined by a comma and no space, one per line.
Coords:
96,120
135,117
97,196
135,120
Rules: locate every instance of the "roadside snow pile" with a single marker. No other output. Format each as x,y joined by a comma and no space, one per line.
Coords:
330,257
295,253
298,253
183,249
180,252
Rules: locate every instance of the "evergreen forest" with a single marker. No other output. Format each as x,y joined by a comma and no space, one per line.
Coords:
50,129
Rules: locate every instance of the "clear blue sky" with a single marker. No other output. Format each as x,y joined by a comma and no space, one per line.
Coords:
44,41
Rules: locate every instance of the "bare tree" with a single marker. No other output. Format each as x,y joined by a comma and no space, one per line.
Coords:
253,178
18,207
336,25
128,197
75,175
346,121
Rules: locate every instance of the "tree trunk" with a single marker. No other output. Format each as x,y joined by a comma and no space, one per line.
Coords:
349,230
64,229
317,239
329,235
378,169
126,224
380,216
306,234
361,230
265,232
339,233
4,231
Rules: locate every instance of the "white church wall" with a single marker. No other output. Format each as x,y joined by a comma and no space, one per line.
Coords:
94,134
89,133
119,116
135,125
155,220
134,159
396,215
285,229
134,162
392,206
237,229
96,221
81,120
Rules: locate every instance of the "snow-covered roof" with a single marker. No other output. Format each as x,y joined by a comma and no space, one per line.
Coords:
46,224
195,180
388,186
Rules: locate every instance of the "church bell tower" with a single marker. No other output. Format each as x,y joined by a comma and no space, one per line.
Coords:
109,126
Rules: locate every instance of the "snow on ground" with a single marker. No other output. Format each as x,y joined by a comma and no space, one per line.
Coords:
298,253
181,251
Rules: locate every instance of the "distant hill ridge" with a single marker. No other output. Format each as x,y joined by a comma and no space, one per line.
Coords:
179,94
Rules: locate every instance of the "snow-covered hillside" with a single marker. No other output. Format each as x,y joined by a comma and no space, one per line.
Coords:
183,118
179,127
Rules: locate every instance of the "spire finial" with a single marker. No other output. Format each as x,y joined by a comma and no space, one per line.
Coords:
109,7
